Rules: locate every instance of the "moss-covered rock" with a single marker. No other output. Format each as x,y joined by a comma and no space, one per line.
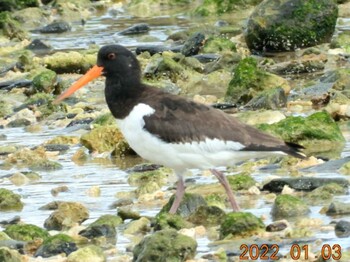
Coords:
5,108
10,5
45,81
57,244
217,45
9,200
249,80
317,132
286,25
67,215
207,216
87,254
219,7
241,181
165,245
159,176
325,193
240,224
112,220
10,255
65,140
70,62
10,27
140,226
26,232
287,206
170,221
189,204
105,138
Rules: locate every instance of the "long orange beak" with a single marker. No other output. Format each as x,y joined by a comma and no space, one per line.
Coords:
93,73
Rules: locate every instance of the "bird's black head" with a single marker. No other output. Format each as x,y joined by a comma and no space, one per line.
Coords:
118,62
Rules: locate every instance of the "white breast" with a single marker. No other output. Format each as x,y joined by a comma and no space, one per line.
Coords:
206,154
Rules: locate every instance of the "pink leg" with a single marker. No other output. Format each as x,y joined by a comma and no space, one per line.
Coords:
180,191
224,182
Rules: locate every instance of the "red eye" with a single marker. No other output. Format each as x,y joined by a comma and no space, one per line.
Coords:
111,56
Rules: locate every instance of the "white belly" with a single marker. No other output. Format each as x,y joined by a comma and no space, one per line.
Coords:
179,156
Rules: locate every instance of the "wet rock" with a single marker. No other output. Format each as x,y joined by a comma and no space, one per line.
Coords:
303,183
189,204
269,99
338,208
121,202
170,221
159,176
218,44
165,244
19,179
56,245
206,58
10,27
45,82
326,192
304,64
193,44
10,255
249,80
103,138
210,8
87,254
111,220
318,133
287,206
96,231
6,150
19,122
55,191
83,122
207,216
140,226
241,181
9,200
11,221
127,213
158,49
342,229
141,28
66,215
63,140
39,45
56,147
277,226
287,25
26,232
55,28
240,223
5,108
264,117
147,188
227,61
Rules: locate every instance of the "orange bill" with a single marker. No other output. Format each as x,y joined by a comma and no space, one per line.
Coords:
93,73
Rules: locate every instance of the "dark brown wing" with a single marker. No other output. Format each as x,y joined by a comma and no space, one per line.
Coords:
178,120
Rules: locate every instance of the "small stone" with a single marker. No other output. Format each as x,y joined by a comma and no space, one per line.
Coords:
342,229
277,226
338,208
287,206
9,200
55,191
94,191
140,226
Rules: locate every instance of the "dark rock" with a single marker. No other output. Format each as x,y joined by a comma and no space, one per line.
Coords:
302,183
56,147
193,44
342,229
189,204
95,231
55,27
11,221
240,224
206,58
143,168
56,245
8,85
277,25
38,45
269,99
135,29
287,206
13,244
338,208
276,226
165,245
84,121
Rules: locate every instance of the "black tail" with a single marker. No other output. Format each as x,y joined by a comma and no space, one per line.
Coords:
295,150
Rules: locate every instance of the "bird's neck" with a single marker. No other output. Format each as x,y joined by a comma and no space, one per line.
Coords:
121,95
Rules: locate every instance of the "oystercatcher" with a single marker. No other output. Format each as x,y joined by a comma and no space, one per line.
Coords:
172,131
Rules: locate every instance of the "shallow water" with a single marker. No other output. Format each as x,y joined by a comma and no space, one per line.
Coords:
109,177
